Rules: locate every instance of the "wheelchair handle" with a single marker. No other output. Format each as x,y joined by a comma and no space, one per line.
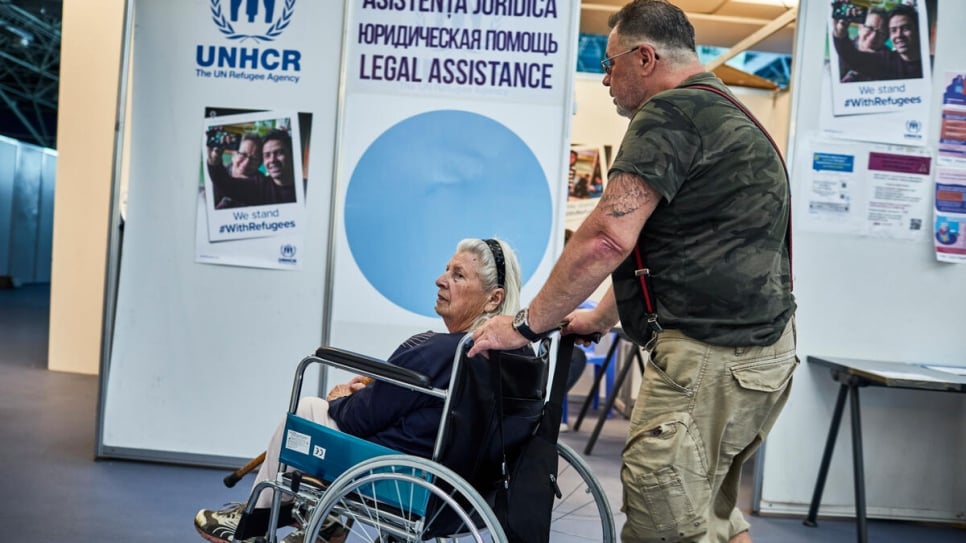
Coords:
593,338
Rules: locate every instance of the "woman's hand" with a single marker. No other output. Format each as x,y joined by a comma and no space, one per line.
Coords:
356,384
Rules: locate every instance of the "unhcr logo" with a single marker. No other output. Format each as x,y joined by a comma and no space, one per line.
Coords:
913,129
249,21
287,252
226,25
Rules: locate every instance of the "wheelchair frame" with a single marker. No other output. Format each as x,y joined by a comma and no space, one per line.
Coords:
350,495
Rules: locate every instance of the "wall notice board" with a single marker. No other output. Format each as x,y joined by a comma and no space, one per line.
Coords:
870,297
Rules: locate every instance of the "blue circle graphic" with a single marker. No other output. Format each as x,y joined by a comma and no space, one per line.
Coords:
434,179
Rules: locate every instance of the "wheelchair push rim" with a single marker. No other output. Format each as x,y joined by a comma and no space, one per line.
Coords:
349,498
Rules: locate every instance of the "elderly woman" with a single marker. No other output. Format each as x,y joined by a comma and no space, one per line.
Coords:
482,279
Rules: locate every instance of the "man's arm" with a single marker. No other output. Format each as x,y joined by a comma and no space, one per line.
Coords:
602,242
586,322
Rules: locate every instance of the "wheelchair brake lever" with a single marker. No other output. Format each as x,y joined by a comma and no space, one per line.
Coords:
556,487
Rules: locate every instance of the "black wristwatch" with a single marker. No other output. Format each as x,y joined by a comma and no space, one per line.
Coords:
522,325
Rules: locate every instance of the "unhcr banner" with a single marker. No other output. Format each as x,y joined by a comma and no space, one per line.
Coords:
232,141
456,121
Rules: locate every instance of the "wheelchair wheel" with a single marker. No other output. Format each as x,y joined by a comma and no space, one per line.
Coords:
400,498
582,513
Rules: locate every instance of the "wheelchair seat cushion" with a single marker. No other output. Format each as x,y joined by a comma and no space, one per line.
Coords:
326,453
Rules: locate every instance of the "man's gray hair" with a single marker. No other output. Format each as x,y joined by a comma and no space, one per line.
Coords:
659,23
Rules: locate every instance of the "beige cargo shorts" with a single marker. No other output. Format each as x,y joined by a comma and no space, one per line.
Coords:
702,410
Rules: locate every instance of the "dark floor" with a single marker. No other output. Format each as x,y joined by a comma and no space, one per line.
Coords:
54,492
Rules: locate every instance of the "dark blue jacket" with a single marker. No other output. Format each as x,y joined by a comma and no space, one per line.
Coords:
396,417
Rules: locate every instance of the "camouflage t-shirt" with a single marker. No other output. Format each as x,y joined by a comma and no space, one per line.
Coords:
716,242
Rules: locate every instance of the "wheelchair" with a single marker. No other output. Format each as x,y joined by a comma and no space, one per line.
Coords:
380,495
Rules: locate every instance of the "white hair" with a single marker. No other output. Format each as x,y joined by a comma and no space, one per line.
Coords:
490,277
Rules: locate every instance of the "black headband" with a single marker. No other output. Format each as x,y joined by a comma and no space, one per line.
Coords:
497,251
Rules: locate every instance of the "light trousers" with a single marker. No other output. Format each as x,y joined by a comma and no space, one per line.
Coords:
310,408
702,410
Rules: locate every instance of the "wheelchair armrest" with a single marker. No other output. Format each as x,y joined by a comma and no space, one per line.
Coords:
374,366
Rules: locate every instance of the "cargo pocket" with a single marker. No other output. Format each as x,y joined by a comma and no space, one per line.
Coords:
666,488
767,375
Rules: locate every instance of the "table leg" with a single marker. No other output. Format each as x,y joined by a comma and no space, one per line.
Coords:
833,431
595,388
858,467
618,383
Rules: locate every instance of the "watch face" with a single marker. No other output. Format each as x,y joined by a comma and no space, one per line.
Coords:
520,318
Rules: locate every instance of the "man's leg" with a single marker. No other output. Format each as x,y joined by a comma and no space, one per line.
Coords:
666,490
684,453
752,394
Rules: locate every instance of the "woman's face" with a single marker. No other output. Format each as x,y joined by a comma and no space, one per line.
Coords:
461,298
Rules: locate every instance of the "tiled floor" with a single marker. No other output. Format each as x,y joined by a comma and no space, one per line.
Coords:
54,492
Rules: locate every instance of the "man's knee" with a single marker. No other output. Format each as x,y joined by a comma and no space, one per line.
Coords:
743,537
306,405
640,534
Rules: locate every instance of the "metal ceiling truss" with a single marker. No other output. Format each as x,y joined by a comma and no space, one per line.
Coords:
29,68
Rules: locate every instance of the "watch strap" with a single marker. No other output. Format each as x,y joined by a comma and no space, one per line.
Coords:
522,325
527,332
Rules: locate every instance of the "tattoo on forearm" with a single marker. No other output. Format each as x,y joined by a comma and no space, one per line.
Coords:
625,194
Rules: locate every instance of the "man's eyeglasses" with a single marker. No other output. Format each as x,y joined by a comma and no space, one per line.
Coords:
876,30
608,63
248,156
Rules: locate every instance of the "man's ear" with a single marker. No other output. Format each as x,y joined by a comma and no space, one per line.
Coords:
647,58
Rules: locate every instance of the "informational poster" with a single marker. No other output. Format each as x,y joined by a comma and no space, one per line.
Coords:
879,56
878,81
952,126
586,180
252,189
867,190
950,224
832,192
455,124
950,196
897,193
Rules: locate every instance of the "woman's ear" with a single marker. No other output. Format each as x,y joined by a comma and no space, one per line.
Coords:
494,299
